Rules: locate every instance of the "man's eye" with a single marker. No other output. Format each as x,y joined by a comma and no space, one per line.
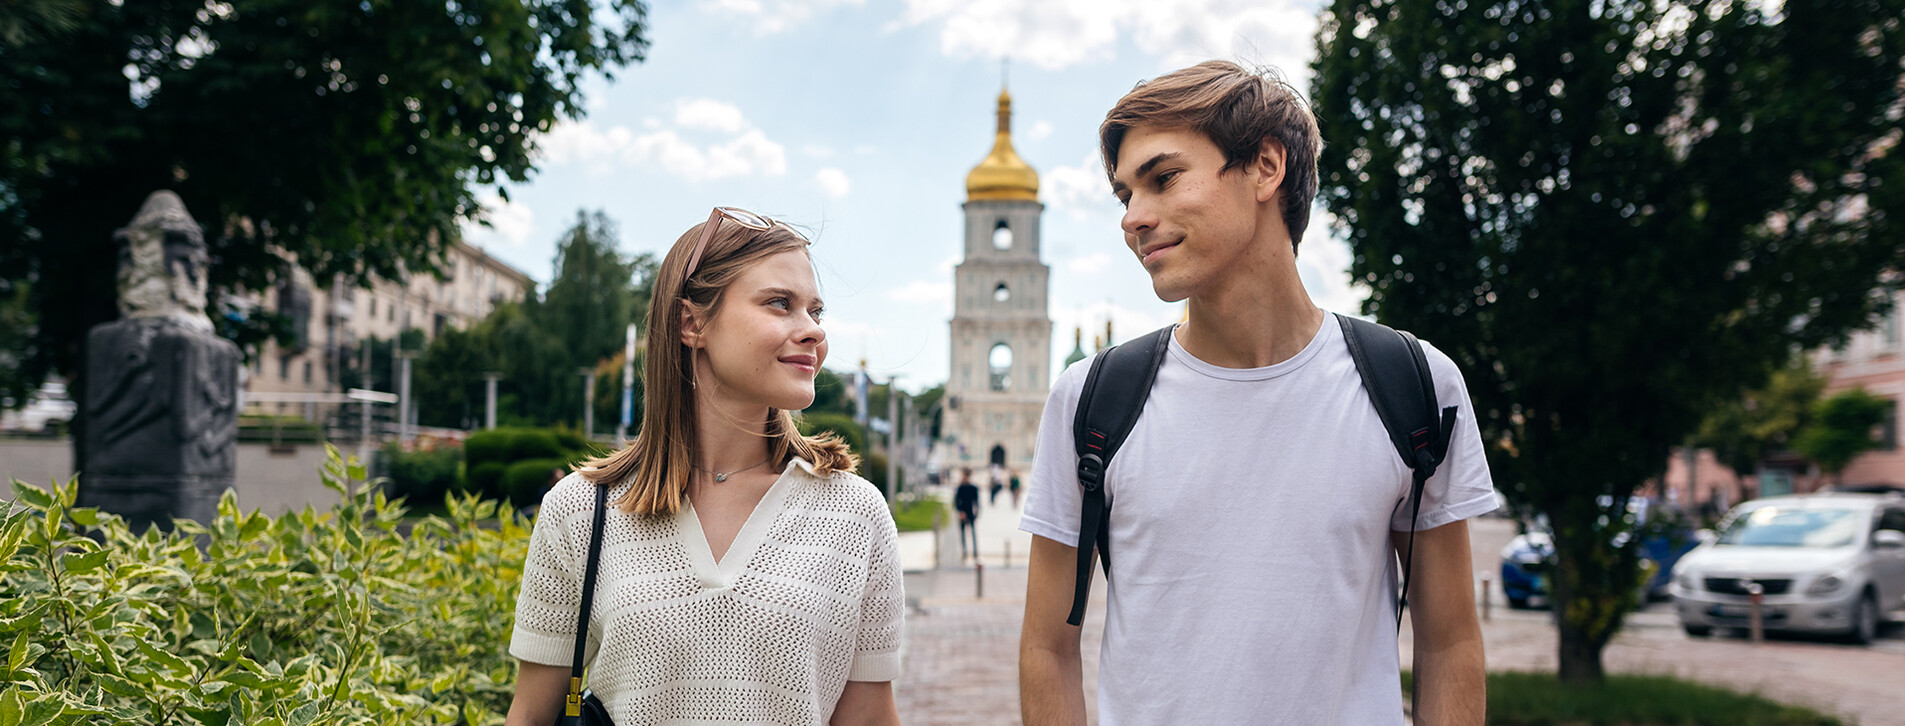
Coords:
1165,178
1124,200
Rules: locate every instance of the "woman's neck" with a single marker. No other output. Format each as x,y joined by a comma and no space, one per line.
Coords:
729,435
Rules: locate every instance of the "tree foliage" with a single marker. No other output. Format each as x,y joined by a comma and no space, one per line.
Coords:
1612,214
1743,431
1841,429
348,137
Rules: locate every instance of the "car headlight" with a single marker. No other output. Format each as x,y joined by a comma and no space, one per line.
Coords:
1686,581
1825,585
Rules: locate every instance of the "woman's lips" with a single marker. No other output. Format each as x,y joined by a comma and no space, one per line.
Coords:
803,362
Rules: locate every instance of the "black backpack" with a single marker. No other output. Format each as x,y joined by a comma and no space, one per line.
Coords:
1394,371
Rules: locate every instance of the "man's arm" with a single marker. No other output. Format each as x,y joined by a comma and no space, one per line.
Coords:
1450,684
1051,678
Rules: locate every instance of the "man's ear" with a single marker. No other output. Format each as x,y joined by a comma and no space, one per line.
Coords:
690,326
1266,170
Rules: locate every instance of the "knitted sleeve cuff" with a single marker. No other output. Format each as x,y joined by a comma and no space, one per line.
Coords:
875,667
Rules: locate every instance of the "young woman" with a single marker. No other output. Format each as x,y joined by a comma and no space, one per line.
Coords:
746,575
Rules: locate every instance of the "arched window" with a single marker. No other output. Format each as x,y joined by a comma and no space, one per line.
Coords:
1001,293
1000,361
1002,236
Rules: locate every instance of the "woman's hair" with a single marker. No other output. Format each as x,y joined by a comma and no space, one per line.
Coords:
660,461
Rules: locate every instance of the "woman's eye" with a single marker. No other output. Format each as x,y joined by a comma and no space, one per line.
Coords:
817,312
779,302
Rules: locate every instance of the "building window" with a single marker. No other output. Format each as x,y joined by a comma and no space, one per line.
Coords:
373,306
284,368
1888,330
1000,361
1001,293
307,371
1002,236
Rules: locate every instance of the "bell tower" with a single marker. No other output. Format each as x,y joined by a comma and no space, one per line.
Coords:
1001,334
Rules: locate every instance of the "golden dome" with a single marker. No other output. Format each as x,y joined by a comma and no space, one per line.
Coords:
1003,175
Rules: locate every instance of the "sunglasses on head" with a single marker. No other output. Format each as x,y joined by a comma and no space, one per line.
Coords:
739,216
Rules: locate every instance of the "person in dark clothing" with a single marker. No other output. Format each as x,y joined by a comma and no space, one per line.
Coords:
998,485
966,502
1014,486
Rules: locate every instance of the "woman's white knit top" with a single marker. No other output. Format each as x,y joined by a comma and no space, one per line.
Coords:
807,598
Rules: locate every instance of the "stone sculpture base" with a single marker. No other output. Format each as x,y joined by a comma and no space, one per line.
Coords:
162,421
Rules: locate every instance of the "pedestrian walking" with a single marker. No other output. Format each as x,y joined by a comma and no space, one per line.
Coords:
966,503
1261,505
1013,484
744,573
998,485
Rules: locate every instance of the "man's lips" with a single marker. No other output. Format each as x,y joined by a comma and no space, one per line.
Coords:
1147,256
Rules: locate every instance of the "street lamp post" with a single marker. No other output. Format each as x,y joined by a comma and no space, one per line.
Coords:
892,436
489,398
406,416
588,403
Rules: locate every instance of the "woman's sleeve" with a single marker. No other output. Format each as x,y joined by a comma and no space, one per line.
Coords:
551,596
876,655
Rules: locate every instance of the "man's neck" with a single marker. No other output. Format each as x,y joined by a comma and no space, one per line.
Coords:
1257,315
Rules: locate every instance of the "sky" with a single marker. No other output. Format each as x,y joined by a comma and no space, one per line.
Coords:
857,121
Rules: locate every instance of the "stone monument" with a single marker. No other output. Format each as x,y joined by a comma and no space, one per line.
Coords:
161,399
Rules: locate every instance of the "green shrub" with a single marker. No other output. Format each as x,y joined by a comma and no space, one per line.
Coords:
486,479
534,444
917,515
525,481
314,617
841,424
422,477
1540,699
487,445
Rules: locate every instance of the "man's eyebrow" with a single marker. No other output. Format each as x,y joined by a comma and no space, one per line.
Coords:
1145,168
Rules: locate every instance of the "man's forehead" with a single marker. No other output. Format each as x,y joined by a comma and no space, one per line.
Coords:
1142,143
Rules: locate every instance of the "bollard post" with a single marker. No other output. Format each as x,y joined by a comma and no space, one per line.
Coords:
1008,552
979,578
1758,595
937,512
1486,593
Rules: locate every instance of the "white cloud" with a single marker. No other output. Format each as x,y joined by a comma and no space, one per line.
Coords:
865,149
1091,264
817,151
709,114
1126,323
834,182
746,151
938,293
510,222
767,17
1057,34
1081,187
1040,130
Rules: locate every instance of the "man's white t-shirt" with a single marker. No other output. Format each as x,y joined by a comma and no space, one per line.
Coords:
1252,576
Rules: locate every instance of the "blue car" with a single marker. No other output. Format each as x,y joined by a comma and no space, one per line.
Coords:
1528,558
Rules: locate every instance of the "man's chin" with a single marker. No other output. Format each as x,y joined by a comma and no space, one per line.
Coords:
1169,291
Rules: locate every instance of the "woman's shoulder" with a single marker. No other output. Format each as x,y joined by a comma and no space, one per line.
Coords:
573,495
852,489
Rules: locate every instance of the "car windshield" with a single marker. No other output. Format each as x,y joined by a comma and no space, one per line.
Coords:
1777,526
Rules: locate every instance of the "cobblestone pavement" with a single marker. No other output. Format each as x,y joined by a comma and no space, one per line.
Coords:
961,652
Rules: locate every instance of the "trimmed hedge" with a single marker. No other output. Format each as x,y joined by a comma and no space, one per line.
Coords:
491,455
345,616
525,481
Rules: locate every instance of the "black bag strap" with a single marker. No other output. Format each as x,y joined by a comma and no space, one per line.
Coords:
1104,419
1396,374
572,706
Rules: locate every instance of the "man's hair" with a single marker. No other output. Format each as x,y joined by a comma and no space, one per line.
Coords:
1238,109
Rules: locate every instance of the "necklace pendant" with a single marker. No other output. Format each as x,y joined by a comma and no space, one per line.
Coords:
720,477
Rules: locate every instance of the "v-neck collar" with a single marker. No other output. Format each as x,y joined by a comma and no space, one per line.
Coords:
747,541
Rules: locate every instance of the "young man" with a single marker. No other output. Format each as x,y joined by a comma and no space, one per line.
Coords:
1257,507
966,503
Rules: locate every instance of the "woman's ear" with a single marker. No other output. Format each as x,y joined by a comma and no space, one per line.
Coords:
690,326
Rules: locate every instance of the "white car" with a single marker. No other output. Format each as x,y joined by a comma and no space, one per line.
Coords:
1825,563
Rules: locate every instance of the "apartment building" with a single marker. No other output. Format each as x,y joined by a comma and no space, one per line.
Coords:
329,320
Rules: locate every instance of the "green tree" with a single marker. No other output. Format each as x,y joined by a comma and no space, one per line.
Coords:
1743,431
1841,430
1612,214
447,380
293,131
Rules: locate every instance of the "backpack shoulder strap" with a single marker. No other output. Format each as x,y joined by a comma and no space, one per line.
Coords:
1108,407
1396,374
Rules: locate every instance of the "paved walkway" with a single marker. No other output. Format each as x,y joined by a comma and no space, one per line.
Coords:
961,656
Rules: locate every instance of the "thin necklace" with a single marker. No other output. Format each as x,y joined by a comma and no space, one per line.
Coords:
723,476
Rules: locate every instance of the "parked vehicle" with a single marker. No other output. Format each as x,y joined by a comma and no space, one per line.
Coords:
1529,557
1831,563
